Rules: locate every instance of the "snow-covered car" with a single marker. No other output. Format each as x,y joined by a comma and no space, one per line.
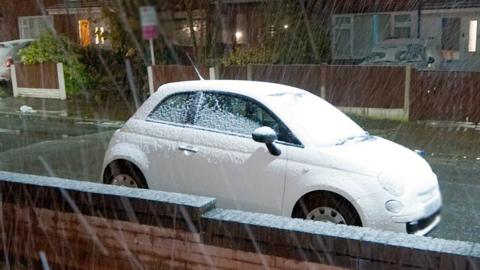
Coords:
400,52
275,149
9,54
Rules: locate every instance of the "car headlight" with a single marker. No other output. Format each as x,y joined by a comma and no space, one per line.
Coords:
394,206
391,184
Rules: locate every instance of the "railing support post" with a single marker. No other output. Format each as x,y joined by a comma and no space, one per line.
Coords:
406,98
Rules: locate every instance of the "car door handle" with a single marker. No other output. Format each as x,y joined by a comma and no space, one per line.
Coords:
188,148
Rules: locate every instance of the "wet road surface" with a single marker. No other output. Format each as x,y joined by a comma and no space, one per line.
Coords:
74,149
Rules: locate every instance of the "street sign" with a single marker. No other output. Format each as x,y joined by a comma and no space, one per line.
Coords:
148,17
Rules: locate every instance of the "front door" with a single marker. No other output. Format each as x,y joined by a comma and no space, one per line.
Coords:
222,160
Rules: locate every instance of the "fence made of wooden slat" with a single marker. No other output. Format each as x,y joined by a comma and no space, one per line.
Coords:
365,86
45,80
174,73
37,75
233,73
445,95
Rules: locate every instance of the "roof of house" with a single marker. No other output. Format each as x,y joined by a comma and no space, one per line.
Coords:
367,6
450,4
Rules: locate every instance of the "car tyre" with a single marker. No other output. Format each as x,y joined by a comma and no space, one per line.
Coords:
124,173
327,207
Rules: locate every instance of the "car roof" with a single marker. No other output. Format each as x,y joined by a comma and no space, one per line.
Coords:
254,89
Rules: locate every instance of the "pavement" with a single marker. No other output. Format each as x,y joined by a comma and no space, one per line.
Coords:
68,140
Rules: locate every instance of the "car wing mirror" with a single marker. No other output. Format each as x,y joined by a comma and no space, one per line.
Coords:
267,136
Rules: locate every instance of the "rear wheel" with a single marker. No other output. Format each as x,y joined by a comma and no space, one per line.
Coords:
124,173
327,207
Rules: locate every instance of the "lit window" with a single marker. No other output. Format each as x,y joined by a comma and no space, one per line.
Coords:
472,36
99,38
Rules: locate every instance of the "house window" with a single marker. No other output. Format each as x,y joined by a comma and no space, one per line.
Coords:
342,36
84,32
402,26
472,36
34,26
99,35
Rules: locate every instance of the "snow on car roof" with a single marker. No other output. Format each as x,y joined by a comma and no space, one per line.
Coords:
249,88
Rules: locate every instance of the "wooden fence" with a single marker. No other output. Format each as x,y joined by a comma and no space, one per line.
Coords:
44,80
449,96
158,75
378,91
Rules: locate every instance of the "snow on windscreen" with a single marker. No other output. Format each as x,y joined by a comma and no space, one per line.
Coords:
321,122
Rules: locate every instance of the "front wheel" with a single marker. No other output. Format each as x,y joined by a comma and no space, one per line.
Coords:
326,207
124,173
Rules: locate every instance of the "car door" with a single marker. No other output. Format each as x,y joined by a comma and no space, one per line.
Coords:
161,130
222,160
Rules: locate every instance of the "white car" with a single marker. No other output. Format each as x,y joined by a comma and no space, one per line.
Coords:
400,52
275,149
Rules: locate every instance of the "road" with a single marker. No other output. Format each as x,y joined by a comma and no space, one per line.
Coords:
74,149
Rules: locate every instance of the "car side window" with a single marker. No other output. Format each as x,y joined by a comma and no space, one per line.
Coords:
174,109
236,114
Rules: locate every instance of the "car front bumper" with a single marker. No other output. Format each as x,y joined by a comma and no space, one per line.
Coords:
418,218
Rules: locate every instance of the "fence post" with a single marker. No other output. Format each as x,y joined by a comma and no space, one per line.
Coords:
406,98
13,73
150,79
323,79
61,81
249,73
212,73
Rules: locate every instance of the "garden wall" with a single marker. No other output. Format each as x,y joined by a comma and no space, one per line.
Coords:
81,225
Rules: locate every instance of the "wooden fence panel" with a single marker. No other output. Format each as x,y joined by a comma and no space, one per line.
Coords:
367,87
445,96
302,76
174,73
41,76
233,73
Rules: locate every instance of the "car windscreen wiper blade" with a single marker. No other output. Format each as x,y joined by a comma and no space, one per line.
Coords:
364,137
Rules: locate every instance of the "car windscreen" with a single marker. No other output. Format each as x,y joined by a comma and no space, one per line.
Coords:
323,123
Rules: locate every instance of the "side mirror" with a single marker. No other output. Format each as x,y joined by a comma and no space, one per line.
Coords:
431,60
267,136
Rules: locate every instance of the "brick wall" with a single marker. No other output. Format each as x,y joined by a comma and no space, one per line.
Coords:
80,225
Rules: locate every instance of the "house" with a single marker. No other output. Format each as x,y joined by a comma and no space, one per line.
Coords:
447,25
23,18
82,21
79,20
